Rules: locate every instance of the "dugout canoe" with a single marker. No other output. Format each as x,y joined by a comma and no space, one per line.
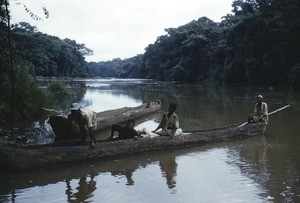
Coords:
105,119
22,158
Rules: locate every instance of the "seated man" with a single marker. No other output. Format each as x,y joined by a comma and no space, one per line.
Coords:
125,132
169,123
86,120
260,113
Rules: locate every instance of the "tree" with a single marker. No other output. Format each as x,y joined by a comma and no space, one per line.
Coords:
183,54
5,21
127,68
79,47
23,27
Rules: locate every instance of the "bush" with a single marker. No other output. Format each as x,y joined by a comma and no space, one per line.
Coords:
59,97
28,97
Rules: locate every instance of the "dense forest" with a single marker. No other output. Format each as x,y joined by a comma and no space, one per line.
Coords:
127,68
49,55
257,44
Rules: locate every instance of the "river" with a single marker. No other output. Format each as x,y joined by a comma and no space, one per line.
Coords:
260,169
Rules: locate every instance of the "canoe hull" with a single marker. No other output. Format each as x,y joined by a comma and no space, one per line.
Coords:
40,156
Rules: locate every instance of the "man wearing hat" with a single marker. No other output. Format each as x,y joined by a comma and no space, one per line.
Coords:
86,120
260,113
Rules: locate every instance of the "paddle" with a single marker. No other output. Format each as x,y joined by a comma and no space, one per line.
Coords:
268,114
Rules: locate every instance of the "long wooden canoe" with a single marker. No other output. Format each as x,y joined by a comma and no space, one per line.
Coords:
22,158
105,119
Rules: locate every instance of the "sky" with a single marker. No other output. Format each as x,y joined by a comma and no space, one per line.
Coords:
115,28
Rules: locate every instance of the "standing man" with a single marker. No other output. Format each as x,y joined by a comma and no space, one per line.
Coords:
169,123
86,120
260,113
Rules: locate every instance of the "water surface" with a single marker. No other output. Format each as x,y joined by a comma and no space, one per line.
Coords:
261,169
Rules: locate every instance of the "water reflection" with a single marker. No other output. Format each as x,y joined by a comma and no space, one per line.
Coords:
168,167
194,168
127,173
85,174
99,100
84,189
242,167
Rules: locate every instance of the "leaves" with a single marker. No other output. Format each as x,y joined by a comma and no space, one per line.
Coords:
50,55
127,68
32,14
257,44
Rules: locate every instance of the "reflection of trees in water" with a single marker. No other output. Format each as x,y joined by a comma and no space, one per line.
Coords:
284,171
252,160
277,176
85,189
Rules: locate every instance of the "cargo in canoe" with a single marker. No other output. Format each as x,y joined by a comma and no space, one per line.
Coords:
22,158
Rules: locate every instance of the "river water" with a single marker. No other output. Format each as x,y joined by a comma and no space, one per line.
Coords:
260,169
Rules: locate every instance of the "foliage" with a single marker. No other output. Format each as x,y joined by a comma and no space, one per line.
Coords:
3,14
294,75
127,68
50,55
32,53
58,96
256,44
183,54
27,106
263,46
30,98
32,14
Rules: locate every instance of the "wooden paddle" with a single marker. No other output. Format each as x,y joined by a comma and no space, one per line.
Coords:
268,114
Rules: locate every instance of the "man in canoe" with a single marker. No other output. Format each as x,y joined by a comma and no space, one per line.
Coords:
170,123
125,132
86,120
260,113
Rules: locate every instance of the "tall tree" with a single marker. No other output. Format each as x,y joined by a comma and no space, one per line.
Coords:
5,21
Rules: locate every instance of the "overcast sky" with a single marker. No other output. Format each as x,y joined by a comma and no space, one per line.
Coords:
116,28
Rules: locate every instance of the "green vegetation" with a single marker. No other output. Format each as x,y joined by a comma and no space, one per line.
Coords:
127,68
29,97
36,54
26,53
257,44
59,97
50,55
